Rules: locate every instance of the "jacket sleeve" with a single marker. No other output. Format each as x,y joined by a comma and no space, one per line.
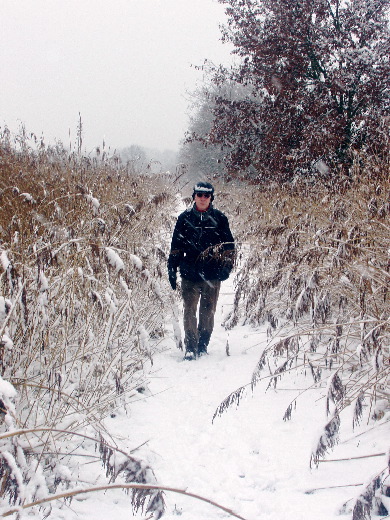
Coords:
176,252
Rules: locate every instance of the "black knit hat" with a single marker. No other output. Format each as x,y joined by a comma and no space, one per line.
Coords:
203,187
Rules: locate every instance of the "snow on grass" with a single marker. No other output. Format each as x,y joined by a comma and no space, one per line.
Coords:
248,459
136,261
114,259
4,260
94,203
6,389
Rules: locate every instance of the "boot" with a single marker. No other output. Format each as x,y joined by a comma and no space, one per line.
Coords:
190,355
190,343
204,339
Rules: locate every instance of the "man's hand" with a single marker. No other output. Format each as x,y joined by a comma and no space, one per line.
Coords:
172,278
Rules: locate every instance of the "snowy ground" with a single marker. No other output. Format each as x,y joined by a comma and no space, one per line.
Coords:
248,459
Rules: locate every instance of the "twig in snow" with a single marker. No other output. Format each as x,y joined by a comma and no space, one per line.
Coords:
144,487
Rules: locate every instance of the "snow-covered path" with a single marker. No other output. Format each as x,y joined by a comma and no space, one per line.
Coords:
248,460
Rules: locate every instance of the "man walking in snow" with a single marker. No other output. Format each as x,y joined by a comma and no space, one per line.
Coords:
203,250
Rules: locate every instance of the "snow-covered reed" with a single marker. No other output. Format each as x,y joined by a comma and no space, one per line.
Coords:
315,267
82,310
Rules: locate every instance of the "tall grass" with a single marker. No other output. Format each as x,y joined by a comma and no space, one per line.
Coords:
83,303
82,310
316,270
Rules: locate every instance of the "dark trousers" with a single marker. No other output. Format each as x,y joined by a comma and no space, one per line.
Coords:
197,333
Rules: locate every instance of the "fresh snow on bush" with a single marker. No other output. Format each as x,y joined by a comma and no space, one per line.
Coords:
136,261
6,389
114,259
4,260
94,203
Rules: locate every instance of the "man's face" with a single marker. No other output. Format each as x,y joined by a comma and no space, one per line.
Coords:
202,201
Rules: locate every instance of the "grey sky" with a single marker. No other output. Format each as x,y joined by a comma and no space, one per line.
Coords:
125,65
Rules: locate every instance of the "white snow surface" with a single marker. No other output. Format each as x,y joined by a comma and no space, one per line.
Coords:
248,460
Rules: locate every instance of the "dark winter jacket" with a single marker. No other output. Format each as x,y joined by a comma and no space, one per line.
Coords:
202,245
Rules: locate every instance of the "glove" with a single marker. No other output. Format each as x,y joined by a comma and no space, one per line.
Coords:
172,278
224,273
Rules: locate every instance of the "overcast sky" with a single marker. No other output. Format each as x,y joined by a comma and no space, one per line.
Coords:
125,65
